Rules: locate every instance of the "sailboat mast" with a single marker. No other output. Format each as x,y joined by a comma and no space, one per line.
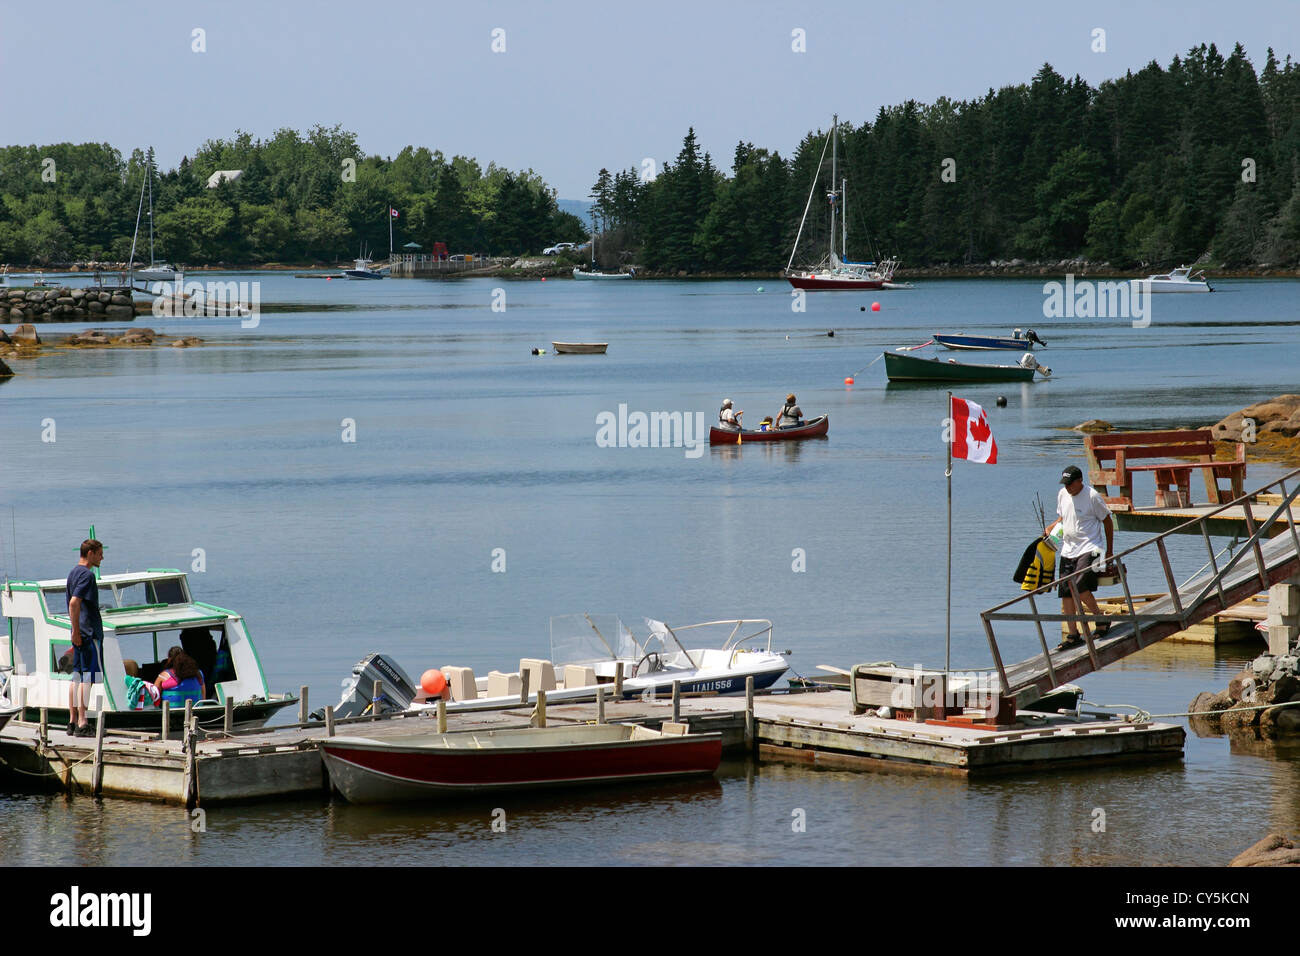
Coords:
149,172
130,265
844,217
835,122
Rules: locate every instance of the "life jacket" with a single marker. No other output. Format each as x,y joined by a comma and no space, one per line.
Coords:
177,693
1037,567
785,413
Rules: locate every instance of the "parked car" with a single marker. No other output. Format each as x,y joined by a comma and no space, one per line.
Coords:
559,247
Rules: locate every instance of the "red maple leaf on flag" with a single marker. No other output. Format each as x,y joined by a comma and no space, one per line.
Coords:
979,430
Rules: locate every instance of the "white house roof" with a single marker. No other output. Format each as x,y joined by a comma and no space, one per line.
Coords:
223,175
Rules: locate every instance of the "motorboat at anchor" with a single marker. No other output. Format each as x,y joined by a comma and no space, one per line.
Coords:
1181,279
1018,342
911,368
586,652
144,613
433,765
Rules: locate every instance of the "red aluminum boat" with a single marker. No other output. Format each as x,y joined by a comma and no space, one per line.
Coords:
429,766
813,428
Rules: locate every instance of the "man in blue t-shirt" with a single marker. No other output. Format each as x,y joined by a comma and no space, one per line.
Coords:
87,636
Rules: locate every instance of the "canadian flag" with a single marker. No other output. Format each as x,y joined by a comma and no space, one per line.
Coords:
972,438
393,212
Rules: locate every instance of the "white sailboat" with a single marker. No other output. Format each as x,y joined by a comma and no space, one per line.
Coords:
157,271
595,273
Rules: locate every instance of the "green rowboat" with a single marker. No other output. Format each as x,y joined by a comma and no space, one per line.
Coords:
910,368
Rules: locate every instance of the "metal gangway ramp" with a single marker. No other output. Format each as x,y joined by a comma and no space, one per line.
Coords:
1261,562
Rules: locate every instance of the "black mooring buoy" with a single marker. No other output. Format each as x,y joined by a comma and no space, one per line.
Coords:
1002,401
830,334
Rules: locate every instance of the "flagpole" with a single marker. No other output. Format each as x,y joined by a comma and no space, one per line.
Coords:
947,642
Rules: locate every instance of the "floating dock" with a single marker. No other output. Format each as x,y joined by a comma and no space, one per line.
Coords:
812,728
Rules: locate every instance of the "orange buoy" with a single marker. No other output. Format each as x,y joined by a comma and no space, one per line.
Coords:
849,380
433,682
875,307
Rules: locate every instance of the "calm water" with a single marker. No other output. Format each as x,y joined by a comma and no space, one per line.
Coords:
466,443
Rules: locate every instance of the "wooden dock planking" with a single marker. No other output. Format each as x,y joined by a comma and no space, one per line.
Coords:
815,728
1230,522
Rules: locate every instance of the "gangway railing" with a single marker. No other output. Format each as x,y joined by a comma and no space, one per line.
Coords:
1275,558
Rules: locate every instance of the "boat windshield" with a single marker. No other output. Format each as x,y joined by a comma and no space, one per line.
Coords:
587,638
124,594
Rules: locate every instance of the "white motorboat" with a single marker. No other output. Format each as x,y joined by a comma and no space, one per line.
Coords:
361,269
586,652
144,614
1181,279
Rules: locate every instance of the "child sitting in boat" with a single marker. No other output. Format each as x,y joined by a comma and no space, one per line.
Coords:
181,679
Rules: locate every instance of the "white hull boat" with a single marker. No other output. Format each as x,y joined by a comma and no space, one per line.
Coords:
144,613
1181,279
579,274
587,651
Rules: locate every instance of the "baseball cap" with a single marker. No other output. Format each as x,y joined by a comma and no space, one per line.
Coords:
1070,474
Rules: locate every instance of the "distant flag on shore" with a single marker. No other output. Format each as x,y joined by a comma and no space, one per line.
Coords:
972,438
393,212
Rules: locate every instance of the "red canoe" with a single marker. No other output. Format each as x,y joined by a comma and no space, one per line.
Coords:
813,428
427,766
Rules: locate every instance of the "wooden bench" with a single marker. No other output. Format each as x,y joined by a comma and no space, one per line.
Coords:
1111,457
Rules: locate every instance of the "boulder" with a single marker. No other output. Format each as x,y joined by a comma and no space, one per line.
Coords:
119,311
1274,850
95,307
184,343
5,370
26,335
4,337
119,298
66,300
105,298
78,293
16,314
1238,685
1274,410
90,338
1093,426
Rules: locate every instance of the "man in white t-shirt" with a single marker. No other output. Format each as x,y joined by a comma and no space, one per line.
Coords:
1085,521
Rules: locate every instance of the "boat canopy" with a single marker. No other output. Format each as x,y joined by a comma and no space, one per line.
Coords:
130,603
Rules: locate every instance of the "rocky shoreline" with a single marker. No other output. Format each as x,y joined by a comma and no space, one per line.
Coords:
25,343
65,304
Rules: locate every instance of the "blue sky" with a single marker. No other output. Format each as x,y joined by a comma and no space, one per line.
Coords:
579,85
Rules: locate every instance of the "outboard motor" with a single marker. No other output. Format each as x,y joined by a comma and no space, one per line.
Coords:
396,690
1029,361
